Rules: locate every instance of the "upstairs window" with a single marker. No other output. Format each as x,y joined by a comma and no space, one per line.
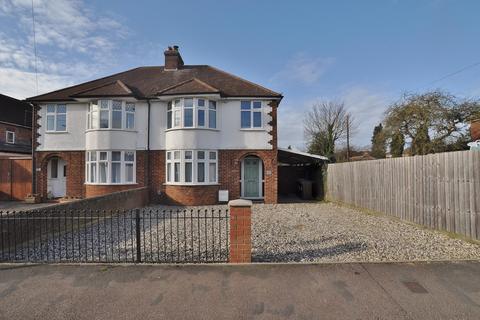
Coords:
251,114
10,137
111,114
192,113
56,117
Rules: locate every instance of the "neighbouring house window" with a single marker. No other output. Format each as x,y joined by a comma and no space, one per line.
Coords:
57,117
10,136
251,114
191,167
192,113
110,114
110,167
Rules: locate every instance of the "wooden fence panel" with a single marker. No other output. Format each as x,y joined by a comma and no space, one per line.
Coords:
440,191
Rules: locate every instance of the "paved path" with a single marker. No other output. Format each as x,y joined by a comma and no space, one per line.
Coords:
21,206
295,291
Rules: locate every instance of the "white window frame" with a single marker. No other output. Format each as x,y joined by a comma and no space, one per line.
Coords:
181,161
12,140
55,115
95,108
108,161
252,111
176,108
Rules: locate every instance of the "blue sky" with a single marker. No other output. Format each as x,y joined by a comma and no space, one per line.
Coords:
364,53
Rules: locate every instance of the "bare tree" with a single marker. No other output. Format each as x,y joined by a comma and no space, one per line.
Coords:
325,125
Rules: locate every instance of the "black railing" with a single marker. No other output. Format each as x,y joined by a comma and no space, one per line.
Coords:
154,236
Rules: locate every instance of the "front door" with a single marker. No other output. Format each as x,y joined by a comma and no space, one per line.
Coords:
57,178
251,178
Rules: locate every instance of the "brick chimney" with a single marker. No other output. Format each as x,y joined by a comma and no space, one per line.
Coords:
173,59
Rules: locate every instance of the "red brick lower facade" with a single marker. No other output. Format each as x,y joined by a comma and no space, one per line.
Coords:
151,171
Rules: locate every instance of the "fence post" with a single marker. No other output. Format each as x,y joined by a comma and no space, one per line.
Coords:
137,231
240,231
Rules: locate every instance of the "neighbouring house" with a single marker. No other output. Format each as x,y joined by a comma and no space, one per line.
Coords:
15,127
475,128
193,134
365,155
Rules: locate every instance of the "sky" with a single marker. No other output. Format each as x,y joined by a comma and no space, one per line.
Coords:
365,54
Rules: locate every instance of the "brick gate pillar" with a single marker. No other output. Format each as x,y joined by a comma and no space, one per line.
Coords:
240,231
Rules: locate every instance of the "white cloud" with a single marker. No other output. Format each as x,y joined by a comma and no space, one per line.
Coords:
304,69
73,44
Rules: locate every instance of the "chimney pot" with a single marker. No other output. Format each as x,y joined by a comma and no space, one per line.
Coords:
173,59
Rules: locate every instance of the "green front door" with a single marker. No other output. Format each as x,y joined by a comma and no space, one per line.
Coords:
251,179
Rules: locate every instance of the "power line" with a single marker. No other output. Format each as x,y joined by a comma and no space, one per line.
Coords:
453,73
35,49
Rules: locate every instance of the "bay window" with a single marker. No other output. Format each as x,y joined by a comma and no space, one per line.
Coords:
191,167
110,167
192,113
57,117
251,114
109,114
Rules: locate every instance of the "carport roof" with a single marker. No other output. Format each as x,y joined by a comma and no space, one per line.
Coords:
291,156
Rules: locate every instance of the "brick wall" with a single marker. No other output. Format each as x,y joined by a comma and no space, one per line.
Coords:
191,195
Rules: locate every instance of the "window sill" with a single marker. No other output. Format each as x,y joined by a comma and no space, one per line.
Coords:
193,128
111,184
56,132
110,129
252,129
181,184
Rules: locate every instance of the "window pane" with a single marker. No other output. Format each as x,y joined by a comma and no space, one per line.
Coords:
201,154
104,104
129,172
177,172
50,122
246,119
93,155
94,119
201,118
257,104
188,117
129,156
51,108
130,120
117,119
188,155
104,119
169,119
103,166
245,105
188,103
201,102
176,155
212,119
61,122
212,172
177,118
201,172
213,155
116,156
130,107
115,172
212,104
257,119
103,155
93,172
54,168
61,108
117,105
169,155
169,172
188,172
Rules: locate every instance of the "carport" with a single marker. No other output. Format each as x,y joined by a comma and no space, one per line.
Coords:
299,171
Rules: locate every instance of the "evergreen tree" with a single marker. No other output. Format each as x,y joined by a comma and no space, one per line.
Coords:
397,144
379,149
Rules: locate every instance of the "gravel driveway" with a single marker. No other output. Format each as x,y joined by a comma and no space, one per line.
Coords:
325,232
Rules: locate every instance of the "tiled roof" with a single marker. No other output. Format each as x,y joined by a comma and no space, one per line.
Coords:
149,82
15,111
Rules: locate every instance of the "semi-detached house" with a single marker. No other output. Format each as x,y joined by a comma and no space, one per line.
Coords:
193,134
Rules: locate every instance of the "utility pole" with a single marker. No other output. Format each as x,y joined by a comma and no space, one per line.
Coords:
348,138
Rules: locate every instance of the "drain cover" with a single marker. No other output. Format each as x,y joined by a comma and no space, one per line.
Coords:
414,287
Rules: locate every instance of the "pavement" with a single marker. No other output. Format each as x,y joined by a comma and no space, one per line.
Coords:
22,206
443,290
